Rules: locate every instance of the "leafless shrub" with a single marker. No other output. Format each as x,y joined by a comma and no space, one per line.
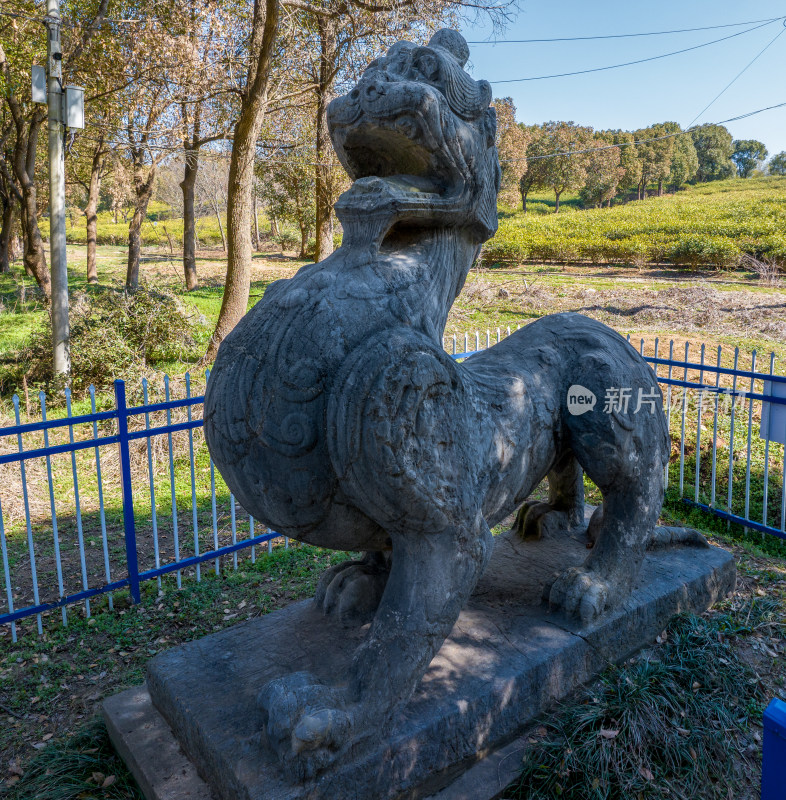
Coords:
769,271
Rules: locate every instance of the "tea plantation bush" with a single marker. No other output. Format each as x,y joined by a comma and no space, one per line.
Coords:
712,225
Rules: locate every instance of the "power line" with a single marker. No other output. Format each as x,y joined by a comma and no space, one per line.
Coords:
627,35
637,61
739,74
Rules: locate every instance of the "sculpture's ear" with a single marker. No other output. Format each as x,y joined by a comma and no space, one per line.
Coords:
490,126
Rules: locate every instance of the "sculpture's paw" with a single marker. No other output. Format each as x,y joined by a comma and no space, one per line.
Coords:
351,591
581,592
536,520
306,723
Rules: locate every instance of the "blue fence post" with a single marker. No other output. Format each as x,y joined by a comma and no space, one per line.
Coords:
129,524
773,768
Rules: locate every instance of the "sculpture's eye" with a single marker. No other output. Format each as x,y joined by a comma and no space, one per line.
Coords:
428,67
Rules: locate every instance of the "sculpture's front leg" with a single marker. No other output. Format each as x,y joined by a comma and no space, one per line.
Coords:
310,724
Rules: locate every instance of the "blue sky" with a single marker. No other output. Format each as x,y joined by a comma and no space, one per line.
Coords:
675,88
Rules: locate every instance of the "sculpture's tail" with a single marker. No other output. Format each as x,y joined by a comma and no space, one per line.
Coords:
665,536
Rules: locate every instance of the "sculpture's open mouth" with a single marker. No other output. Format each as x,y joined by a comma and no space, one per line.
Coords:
402,154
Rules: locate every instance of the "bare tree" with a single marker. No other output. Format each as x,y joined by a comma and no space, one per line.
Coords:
253,104
28,47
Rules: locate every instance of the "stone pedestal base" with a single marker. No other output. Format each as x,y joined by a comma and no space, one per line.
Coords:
507,659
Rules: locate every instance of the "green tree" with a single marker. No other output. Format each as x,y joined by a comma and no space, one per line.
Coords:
655,147
777,165
747,155
684,162
536,167
512,148
630,163
287,177
714,149
603,172
566,168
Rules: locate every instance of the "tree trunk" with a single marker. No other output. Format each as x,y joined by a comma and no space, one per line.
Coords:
324,177
256,222
6,231
556,205
34,257
273,224
524,201
241,173
660,188
91,213
144,191
187,186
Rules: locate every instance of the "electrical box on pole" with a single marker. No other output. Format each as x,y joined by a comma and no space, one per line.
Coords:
74,107
39,84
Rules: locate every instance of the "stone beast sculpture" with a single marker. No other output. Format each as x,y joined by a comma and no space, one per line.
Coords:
336,417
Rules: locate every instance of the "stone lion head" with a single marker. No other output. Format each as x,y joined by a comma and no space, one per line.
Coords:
416,135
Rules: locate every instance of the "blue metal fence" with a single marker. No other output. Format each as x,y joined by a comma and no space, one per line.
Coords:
22,555
84,512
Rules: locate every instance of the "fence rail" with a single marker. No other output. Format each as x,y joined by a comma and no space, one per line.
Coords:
102,501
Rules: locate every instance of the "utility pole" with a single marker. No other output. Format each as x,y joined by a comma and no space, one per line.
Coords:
57,235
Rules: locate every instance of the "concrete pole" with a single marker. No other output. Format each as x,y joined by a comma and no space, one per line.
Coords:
57,235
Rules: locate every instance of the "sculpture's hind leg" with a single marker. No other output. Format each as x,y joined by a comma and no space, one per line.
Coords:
624,456
564,511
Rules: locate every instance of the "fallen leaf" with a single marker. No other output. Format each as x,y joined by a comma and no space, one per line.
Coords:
108,781
98,777
646,774
11,780
608,734
47,736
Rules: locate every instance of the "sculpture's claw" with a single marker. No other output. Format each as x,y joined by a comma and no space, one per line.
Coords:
325,728
305,721
351,591
580,592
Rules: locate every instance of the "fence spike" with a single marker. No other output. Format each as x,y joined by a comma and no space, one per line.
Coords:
102,514
28,525
194,510
53,510
77,504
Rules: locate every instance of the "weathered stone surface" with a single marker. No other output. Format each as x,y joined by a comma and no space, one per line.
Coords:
150,750
336,417
506,659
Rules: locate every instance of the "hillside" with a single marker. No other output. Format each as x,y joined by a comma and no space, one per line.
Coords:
709,225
